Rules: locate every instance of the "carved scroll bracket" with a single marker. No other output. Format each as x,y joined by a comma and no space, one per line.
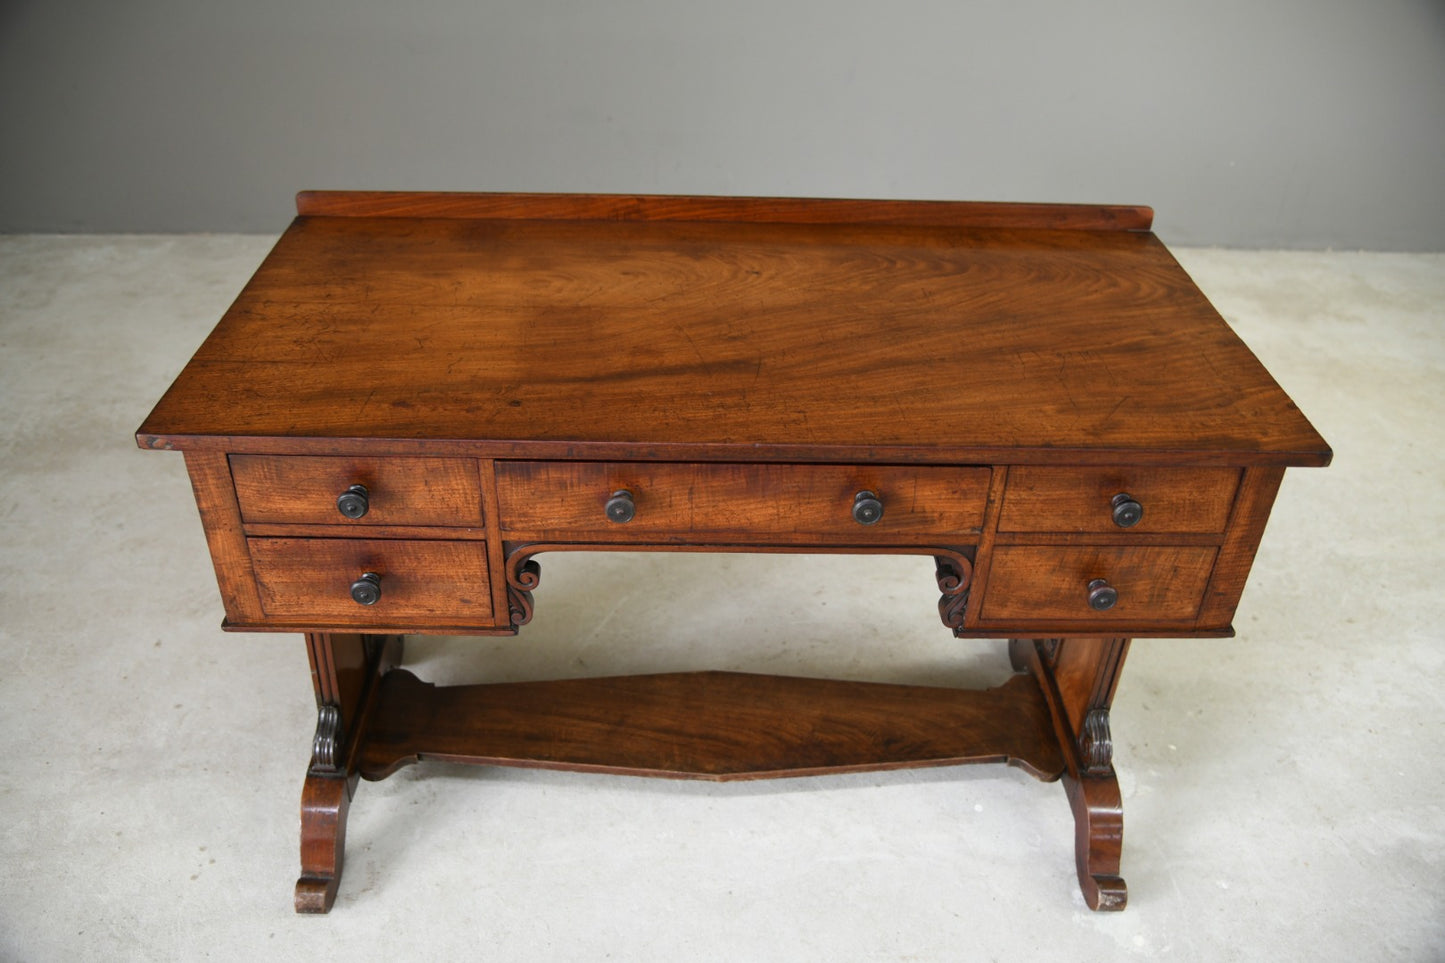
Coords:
955,574
1096,744
524,573
326,745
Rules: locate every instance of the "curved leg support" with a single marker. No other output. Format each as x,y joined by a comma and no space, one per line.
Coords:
1078,676
324,803
346,670
1098,838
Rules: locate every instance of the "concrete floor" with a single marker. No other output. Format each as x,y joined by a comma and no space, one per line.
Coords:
1282,789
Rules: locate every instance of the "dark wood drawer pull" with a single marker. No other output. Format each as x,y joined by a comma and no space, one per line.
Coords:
367,589
1102,595
354,502
620,507
1127,512
867,508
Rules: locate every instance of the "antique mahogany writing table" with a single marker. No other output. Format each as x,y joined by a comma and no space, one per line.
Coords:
418,394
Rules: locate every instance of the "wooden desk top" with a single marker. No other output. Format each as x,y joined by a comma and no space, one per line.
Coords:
755,330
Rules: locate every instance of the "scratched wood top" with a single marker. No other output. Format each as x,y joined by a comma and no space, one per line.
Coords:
730,340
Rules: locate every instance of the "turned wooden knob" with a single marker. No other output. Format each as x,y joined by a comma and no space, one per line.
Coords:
867,508
354,502
620,507
1102,595
1127,512
367,589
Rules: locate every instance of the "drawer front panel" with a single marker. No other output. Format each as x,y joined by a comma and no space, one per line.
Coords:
288,489
1029,583
739,502
1174,500
309,580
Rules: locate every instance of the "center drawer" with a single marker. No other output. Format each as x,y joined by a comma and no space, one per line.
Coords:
716,503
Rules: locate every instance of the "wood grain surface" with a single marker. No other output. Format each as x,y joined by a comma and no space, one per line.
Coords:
755,503
303,579
400,491
729,341
1155,584
493,367
1175,500
709,725
758,210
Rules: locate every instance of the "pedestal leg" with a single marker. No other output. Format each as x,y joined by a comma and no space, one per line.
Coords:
345,670
1078,677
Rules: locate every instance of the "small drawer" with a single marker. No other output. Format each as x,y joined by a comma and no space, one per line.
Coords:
1030,583
286,489
1082,500
310,580
747,503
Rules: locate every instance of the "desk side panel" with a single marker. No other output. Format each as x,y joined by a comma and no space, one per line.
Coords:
1236,556
210,473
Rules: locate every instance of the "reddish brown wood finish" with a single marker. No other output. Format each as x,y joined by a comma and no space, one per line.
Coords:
221,518
401,491
756,210
325,802
983,560
690,340
1175,500
709,725
1078,677
1098,839
346,671
493,367
340,669
551,501
283,530
308,580
496,553
1246,528
1037,583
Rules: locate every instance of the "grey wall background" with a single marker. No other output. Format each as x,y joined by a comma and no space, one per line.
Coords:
1294,123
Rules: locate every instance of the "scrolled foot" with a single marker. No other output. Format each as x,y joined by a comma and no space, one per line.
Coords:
1098,839
316,895
1107,893
324,804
